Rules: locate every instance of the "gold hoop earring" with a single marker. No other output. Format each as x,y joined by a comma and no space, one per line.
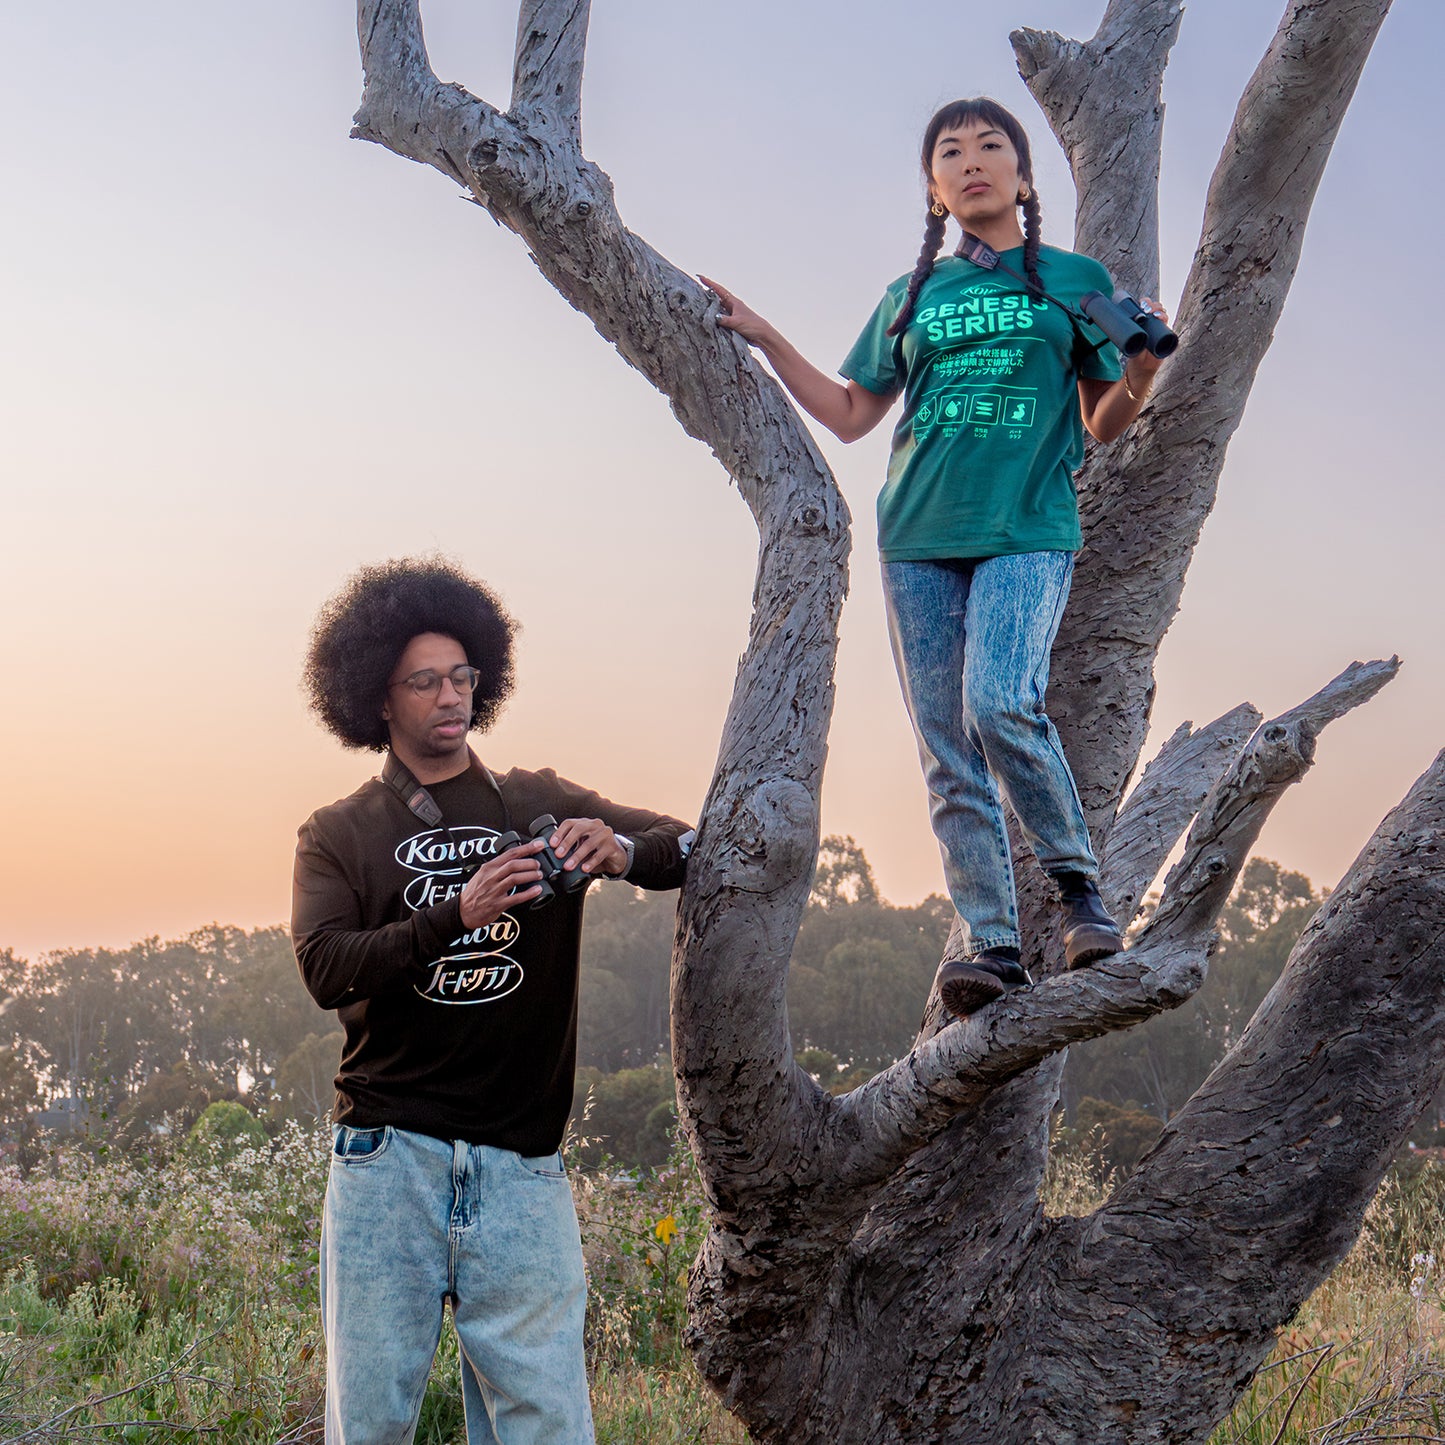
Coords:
1024,194
938,208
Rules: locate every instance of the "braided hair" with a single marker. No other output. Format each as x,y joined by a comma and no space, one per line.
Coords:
960,113
1033,224
934,226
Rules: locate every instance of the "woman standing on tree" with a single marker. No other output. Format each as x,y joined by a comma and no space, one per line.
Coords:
978,522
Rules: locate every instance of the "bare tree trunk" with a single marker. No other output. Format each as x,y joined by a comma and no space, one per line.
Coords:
879,1268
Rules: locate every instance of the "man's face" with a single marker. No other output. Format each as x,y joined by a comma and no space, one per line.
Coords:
428,729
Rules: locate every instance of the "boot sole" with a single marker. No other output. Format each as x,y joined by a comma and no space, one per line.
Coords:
1089,946
969,990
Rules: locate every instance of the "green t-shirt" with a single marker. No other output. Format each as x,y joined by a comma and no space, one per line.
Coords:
984,455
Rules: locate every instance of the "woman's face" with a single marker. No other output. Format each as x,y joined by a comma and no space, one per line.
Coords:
975,174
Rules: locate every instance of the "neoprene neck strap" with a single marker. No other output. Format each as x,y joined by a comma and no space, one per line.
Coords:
402,781
970,248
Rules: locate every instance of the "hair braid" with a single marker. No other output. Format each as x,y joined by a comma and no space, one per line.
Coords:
1033,224
933,231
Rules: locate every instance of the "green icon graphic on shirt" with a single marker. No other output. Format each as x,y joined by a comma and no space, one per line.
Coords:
958,406
987,407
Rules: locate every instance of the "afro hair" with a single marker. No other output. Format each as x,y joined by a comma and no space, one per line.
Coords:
362,631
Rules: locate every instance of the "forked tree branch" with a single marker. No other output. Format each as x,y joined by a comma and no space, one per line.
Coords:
551,51
403,105
1160,806
1110,131
1279,754
872,1130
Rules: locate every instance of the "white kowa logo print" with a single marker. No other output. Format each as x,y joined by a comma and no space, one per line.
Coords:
476,967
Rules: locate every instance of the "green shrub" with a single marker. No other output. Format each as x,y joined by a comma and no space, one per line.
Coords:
617,1116
226,1126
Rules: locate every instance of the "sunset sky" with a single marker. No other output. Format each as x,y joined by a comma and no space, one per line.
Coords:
243,354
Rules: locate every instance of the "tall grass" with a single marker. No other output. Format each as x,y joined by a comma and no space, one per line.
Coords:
153,1298
1364,1360
173,1298
640,1233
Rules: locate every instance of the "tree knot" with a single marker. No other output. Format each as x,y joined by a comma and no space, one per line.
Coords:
487,152
774,835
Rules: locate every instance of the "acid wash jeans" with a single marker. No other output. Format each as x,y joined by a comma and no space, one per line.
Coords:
412,1221
971,641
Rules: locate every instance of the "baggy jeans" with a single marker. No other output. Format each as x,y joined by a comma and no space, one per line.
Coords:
971,641
412,1221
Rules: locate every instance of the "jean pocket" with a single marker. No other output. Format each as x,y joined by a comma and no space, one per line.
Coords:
356,1146
544,1166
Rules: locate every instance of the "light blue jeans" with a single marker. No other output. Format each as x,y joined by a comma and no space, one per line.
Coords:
971,641
412,1221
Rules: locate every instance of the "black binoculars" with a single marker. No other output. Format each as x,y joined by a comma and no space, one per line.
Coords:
557,877
1128,325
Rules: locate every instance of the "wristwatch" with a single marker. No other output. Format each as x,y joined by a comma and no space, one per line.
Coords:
628,847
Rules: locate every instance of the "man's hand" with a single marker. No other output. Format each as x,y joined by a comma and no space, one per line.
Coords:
590,845
489,894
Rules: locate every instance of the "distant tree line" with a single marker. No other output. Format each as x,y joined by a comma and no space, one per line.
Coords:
146,1037
129,1038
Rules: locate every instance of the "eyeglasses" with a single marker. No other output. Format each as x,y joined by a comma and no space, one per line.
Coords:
427,683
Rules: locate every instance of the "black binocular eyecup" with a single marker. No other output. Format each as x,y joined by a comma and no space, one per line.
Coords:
1128,325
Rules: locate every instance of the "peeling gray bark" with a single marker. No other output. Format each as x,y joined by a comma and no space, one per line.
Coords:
1113,132
1156,813
878,1267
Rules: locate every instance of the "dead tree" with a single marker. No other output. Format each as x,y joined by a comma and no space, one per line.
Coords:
878,1267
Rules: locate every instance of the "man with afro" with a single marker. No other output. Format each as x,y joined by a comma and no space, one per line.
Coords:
453,970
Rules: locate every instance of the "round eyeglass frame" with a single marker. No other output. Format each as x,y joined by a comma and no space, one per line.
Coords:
428,682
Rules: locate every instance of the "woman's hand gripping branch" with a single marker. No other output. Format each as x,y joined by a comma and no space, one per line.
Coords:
848,411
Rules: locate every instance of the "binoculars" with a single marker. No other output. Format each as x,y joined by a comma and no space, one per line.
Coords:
1128,325
557,877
